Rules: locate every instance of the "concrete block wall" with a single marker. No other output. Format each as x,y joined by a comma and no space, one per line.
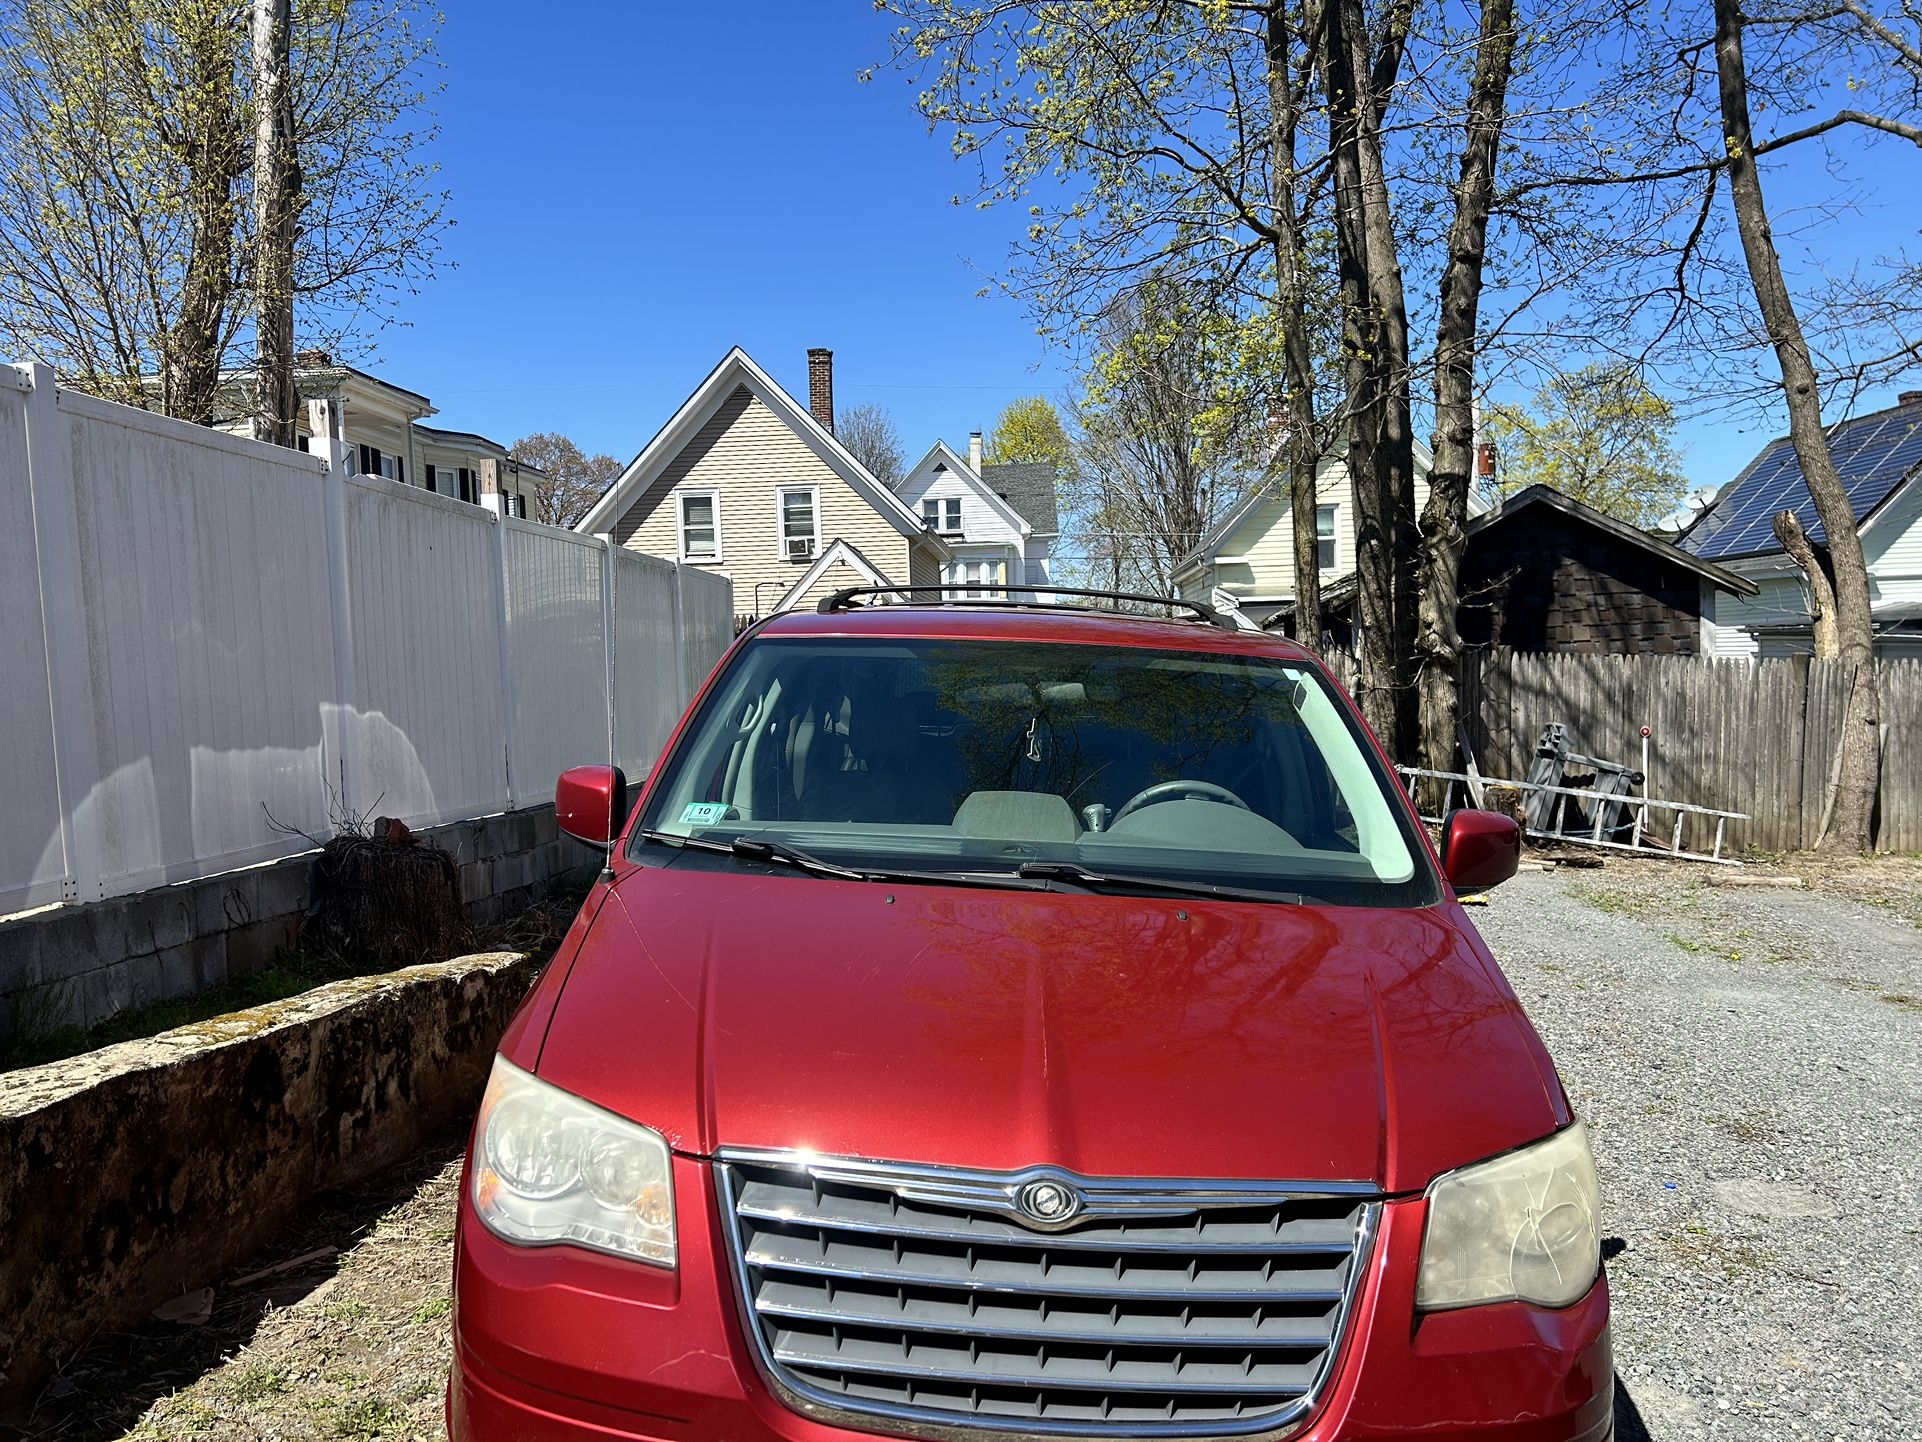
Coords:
134,1173
83,964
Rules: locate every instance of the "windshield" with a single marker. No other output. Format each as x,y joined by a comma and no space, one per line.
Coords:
989,757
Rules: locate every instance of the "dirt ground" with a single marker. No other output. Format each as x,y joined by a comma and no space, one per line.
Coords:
350,1342
1746,1057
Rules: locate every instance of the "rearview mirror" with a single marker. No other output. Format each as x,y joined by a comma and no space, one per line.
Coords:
590,803
1479,849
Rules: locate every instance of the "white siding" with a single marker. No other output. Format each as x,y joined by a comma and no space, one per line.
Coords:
980,520
1779,602
1893,548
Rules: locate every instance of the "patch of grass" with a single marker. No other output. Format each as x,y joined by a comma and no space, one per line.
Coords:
350,1311
1700,1247
1907,1003
1612,902
433,1311
290,973
367,1416
250,1384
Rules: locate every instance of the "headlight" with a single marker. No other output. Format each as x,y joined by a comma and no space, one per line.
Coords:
549,1167
1526,1226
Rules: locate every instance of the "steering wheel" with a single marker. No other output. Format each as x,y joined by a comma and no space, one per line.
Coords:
1180,791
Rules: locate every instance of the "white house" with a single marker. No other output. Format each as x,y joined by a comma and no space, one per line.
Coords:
1879,456
380,426
1000,522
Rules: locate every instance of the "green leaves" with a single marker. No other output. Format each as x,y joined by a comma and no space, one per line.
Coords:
1598,434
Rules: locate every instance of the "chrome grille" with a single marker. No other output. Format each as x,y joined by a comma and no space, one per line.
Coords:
918,1299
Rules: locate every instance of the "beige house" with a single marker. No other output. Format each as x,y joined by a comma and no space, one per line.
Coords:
746,481
376,427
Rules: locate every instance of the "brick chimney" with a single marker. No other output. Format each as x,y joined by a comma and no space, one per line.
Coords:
1909,398
974,451
1485,461
821,386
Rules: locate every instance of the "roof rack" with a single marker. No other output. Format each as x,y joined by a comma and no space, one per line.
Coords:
844,600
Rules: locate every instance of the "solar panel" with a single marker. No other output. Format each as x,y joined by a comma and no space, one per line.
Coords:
1872,455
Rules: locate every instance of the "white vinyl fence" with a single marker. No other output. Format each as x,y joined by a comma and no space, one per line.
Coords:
214,650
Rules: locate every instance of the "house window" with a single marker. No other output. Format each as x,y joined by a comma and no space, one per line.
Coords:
700,526
433,478
931,513
951,516
520,507
1325,537
973,578
469,486
800,522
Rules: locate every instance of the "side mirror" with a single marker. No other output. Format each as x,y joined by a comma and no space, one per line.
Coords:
590,803
1479,849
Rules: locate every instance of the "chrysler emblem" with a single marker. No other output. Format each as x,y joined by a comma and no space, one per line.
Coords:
1048,1202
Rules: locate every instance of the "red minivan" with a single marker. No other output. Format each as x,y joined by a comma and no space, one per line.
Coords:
1006,1021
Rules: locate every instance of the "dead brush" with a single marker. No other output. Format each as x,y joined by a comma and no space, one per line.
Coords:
384,897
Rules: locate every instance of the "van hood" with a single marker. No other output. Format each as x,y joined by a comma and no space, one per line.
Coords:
989,1029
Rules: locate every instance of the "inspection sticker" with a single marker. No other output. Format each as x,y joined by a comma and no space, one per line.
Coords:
704,813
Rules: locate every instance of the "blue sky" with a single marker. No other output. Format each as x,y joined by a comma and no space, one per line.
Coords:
640,186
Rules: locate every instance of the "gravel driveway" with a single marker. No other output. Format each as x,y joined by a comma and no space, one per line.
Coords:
1750,1062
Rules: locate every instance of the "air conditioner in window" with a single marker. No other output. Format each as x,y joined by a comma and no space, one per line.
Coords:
799,548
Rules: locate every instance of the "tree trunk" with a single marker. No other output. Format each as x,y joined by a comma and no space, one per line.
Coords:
1375,355
1438,643
213,152
1795,541
1853,812
1304,452
276,208
1342,35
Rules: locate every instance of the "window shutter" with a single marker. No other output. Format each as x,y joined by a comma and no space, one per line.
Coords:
366,459
431,478
400,469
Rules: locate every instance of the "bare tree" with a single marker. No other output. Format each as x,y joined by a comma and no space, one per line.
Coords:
570,481
276,215
869,432
1160,456
1851,816
1358,72
1446,514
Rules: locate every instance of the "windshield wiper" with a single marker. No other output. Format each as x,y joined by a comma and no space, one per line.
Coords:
1081,875
749,848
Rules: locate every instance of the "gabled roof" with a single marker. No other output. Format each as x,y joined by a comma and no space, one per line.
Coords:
945,459
1029,488
1337,595
737,369
1877,455
841,550
1548,496
1216,536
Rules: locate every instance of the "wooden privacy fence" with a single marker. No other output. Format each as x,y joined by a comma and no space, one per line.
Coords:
215,649
1737,735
